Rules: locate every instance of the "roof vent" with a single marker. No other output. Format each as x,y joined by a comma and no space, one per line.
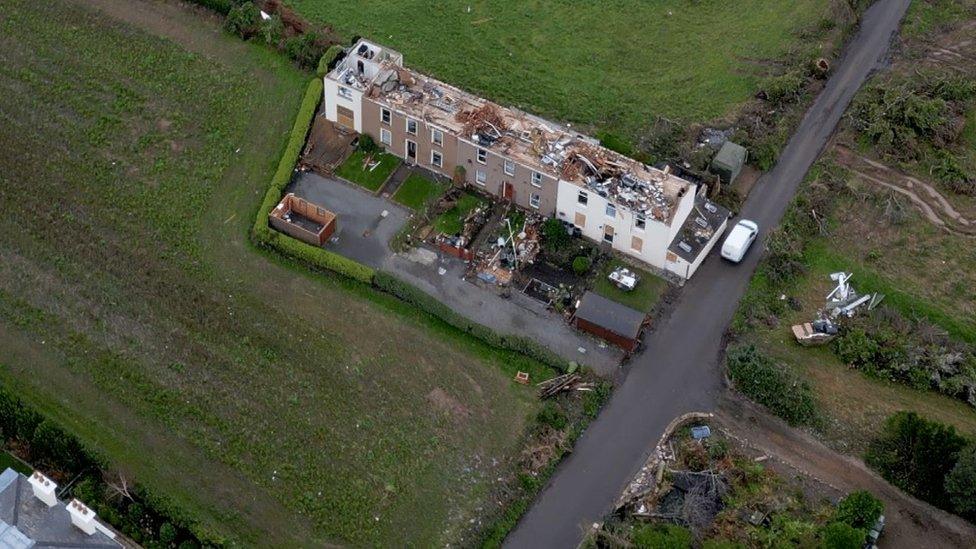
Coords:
710,207
685,246
44,488
701,222
82,517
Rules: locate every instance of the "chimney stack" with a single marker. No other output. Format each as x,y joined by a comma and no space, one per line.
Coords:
82,517
44,488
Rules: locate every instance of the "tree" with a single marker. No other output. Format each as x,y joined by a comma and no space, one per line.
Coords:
167,533
916,454
859,509
960,484
554,235
304,49
840,535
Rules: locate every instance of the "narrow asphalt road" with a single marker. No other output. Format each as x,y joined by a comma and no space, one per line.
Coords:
679,371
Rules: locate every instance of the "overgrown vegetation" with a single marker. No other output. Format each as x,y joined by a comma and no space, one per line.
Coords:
714,495
61,456
771,385
920,119
927,459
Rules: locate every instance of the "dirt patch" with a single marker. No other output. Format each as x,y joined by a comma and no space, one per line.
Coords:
924,197
911,522
448,404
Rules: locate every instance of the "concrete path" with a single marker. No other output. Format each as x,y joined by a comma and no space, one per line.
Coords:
364,235
679,370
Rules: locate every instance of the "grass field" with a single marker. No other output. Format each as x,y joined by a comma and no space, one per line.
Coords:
642,298
452,221
270,405
417,191
609,65
371,179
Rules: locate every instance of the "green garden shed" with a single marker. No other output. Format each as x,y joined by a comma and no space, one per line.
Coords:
729,161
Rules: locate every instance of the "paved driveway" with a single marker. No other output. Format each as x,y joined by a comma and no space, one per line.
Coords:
679,371
364,235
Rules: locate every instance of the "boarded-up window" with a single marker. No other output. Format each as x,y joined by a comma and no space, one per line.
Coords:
636,243
345,117
580,220
672,257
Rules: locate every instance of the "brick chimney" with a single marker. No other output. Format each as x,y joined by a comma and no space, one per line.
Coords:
44,488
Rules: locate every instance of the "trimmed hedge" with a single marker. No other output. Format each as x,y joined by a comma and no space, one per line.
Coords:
417,297
262,233
330,55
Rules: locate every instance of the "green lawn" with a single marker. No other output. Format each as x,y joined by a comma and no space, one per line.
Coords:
369,178
418,191
611,65
642,298
267,404
452,221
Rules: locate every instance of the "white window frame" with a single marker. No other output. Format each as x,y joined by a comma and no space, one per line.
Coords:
415,126
640,222
345,92
386,137
386,116
440,159
582,198
481,177
535,200
437,137
509,163
536,179
611,210
482,156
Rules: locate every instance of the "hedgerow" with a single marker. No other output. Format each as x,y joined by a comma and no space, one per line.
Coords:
771,385
143,517
262,233
325,62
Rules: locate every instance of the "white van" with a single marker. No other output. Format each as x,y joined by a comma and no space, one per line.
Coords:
740,238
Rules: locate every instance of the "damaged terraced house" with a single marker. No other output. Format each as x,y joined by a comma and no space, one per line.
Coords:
644,212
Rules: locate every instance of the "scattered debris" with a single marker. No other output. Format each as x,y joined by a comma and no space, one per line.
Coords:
522,377
700,432
562,384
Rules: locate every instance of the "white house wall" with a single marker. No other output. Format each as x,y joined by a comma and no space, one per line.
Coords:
333,100
655,237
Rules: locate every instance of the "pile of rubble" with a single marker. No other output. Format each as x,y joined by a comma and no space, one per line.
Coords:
498,261
842,301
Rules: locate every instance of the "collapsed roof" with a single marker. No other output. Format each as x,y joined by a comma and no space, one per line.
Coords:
544,146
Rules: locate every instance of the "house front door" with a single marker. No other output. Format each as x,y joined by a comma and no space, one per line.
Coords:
411,151
508,191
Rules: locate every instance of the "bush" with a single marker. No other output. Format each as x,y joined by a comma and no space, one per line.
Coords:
855,348
960,484
553,416
757,377
327,59
785,88
272,30
304,49
581,264
243,20
916,455
859,509
896,118
839,535
662,536
367,145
